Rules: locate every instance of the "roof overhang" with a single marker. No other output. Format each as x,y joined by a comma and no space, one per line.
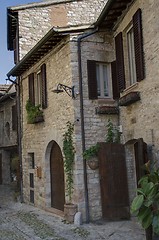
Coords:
44,46
12,21
112,11
7,96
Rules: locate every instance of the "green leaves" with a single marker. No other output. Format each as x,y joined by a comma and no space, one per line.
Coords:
137,203
146,204
69,154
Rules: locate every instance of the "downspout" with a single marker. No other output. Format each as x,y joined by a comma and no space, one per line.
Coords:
79,39
19,119
19,138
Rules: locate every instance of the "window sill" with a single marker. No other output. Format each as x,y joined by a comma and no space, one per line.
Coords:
107,110
130,88
129,98
106,100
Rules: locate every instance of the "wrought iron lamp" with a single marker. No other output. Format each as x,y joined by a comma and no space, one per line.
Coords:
61,88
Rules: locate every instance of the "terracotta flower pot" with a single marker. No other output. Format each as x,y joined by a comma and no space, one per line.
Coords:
69,212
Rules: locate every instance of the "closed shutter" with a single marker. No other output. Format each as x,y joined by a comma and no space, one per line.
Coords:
44,86
138,42
92,81
14,118
31,88
120,61
141,157
115,86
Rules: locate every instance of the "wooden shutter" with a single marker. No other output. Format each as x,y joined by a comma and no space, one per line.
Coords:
115,86
138,42
120,61
141,157
14,118
92,81
31,88
43,86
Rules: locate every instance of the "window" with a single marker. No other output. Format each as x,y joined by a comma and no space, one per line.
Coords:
103,80
99,80
131,56
38,87
38,83
31,160
134,51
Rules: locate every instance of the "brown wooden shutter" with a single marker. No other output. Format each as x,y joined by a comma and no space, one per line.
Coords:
115,86
138,42
14,118
120,61
31,88
43,86
141,157
92,81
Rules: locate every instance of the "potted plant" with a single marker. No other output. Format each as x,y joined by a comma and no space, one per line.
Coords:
146,204
34,113
69,154
90,155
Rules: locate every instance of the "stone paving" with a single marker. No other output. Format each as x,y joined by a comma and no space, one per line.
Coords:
19,221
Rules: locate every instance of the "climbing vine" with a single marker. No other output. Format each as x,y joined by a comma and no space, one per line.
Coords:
69,154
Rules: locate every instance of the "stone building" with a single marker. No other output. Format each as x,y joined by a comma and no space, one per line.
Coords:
106,62
8,134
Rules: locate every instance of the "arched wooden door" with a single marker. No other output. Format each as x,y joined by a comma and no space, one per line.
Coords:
57,178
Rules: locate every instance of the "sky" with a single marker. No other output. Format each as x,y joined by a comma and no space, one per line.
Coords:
6,57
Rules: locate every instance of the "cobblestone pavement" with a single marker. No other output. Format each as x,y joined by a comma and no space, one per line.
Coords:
23,222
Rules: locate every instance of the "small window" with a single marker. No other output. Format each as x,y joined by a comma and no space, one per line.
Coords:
31,160
103,77
99,80
131,56
38,87
38,97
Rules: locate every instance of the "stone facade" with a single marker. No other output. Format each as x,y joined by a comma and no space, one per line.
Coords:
8,134
63,109
36,20
138,120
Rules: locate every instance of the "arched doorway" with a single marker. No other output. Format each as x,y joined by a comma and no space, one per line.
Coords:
57,178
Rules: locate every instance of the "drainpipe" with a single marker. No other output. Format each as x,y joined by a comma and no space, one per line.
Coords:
82,119
19,138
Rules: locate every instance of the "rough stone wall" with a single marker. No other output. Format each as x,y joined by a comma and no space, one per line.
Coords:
140,119
6,117
62,67
97,47
35,22
8,137
37,138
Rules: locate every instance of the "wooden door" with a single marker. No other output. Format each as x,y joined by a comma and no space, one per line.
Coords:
0,168
141,157
113,181
57,178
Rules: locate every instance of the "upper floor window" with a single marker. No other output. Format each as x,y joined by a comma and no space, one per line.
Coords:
38,83
38,87
131,56
99,80
134,51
